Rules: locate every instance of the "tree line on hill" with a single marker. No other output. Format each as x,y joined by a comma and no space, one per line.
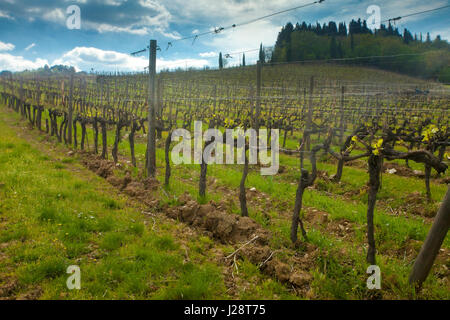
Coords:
46,71
415,55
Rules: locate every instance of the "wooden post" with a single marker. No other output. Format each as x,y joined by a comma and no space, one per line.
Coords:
160,96
310,114
215,99
107,93
38,86
306,145
70,113
11,84
21,105
341,138
258,95
151,135
101,92
432,244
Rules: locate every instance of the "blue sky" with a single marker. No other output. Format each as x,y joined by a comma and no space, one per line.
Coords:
34,33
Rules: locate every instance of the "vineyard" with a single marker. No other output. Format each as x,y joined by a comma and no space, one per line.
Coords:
363,172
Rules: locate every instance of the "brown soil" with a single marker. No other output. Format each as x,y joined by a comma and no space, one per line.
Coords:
8,289
416,203
223,226
401,170
443,180
33,294
341,228
356,192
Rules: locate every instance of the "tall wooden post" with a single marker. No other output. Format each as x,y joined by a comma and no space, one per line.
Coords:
341,138
21,106
70,113
310,114
38,86
258,95
215,99
11,84
432,244
151,136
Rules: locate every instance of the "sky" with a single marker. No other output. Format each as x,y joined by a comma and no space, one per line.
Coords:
34,33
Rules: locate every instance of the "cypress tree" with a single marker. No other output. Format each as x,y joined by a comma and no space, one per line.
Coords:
220,61
262,55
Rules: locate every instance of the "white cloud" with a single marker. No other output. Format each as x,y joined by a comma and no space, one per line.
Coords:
445,34
173,35
6,46
77,1
132,29
211,54
19,63
181,63
5,15
248,37
115,3
55,15
143,25
103,27
30,46
84,58
142,17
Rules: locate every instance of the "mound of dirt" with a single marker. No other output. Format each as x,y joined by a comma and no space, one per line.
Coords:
415,198
280,269
33,294
225,227
399,169
356,192
118,182
300,278
7,289
287,274
256,254
444,180
323,175
416,203
316,217
151,184
135,189
101,167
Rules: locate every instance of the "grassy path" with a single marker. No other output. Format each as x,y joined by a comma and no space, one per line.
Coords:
55,213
